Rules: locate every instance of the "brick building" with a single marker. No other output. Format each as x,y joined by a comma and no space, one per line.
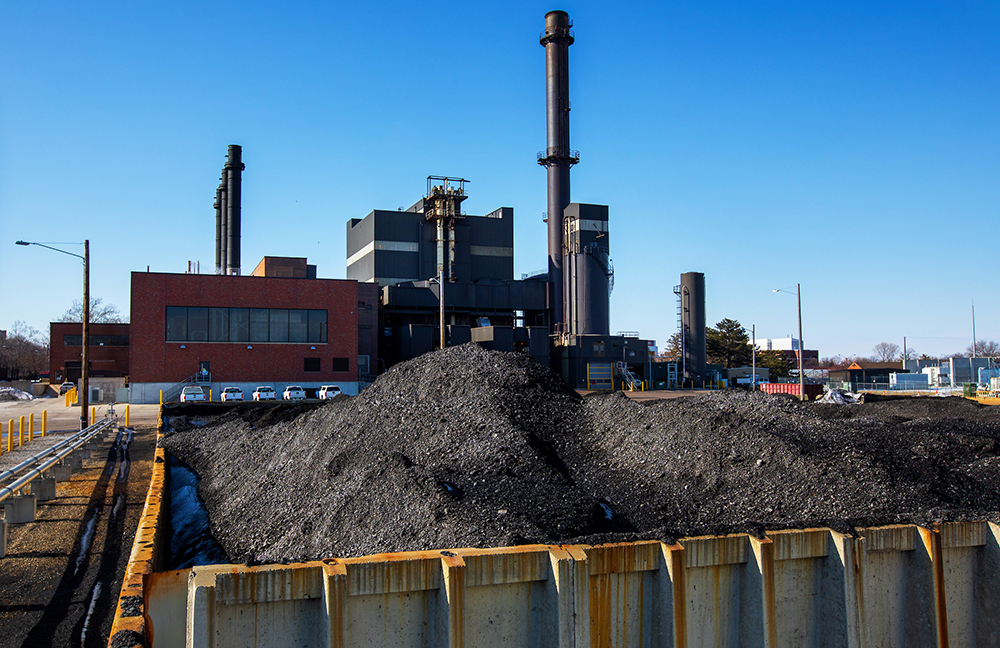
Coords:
250,330
109,351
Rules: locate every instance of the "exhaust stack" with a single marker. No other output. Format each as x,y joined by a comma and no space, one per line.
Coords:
232,175
557,157
220,229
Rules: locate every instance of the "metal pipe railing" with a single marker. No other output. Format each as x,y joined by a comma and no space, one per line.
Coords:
7,474
61,450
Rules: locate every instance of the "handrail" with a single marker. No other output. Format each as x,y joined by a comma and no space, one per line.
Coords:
74,442
7,474
200,378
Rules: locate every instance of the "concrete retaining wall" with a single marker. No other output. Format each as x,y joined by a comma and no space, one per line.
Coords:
895,586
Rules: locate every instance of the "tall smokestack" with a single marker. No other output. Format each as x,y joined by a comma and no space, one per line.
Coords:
218,229
557,157
233,177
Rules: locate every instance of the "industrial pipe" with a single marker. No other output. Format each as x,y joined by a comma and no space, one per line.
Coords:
8,491
83,434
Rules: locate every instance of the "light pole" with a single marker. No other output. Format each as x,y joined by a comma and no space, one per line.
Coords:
85,369
802,376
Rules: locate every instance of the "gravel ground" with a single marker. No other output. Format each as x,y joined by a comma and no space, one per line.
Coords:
476,448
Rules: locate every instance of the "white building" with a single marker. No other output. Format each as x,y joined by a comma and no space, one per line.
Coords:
777,344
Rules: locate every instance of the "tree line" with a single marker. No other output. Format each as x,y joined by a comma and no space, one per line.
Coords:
728,344
24,350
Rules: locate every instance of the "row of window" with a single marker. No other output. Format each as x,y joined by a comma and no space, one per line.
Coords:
202,324
316,364
96,340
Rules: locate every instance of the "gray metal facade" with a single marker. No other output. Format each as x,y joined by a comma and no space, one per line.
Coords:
390,247
587,269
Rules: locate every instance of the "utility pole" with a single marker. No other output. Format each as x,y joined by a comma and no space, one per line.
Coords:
85,374
802,375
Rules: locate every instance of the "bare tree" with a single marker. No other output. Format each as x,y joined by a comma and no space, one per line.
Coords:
984,349
25,352
100,313
886,352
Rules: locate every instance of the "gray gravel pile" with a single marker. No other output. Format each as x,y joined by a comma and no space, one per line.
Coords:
475,448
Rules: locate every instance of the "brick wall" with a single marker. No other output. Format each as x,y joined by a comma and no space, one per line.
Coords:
153,359
104,360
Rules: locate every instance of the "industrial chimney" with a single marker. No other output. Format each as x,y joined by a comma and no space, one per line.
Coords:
557,157
220,229
691,311
232,175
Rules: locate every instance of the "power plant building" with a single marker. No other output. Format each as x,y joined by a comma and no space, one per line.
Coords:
409,254
227,330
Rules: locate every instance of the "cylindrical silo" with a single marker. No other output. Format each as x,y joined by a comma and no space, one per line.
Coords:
692,305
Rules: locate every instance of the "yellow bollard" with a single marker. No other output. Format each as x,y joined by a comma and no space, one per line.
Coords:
20,431
10,435
93,415
45,422
161,398
126,415
31,427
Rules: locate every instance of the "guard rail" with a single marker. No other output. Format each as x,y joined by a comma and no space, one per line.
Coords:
36,465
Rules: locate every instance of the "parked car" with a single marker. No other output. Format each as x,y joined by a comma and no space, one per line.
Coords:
294,392
232,394
326,392
264,392
192,393
65,387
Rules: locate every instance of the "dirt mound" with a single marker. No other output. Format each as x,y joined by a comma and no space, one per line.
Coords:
469,447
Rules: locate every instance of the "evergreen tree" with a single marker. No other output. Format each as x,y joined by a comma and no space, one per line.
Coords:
728,344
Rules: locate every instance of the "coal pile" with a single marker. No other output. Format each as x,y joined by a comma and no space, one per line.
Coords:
475,448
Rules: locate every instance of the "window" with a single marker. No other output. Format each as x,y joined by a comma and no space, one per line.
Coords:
177,324
258,325
197,324
341,364
205,324
279,325
218,324
239,324
96,340
317,326
311,364
298,325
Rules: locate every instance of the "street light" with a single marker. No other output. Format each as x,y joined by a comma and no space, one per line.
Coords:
85,372
802,376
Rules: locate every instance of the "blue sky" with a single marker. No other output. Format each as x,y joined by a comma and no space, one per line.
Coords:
852,147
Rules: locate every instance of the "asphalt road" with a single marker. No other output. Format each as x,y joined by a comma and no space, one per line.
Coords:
60,580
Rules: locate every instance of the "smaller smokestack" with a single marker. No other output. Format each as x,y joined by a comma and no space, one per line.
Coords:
218,230
234,177
224,229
